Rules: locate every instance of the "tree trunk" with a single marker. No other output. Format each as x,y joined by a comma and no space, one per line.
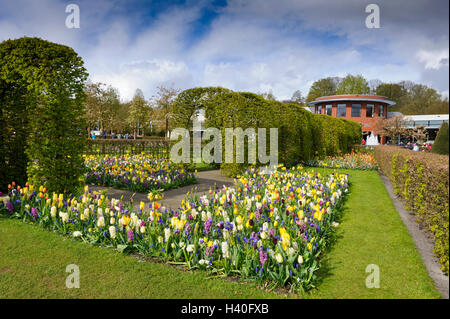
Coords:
167,126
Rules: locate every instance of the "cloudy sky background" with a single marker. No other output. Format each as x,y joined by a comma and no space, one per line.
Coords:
254,45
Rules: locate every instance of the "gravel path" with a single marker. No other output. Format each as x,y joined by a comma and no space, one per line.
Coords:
172,198
424,244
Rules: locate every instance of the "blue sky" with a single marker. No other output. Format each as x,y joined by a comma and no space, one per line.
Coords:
254,45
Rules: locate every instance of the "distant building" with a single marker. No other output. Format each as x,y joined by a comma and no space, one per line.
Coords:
431,122
362,108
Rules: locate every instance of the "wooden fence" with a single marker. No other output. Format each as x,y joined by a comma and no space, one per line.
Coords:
157,147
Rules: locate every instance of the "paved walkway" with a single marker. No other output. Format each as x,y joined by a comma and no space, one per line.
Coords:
424,244
172,198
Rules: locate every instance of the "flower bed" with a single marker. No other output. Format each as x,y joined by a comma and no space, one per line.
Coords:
139,173
354,160
270,228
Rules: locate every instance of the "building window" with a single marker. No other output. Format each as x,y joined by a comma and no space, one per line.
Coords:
356,110
380,110
369,110
319,109
328,109
341,110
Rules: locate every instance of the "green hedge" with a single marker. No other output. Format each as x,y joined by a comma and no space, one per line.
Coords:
41,95
301,134
421,180
440,145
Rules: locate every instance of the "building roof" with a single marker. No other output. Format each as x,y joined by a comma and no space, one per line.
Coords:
427,117
353,97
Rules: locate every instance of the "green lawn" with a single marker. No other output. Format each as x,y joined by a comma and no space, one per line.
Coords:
33,261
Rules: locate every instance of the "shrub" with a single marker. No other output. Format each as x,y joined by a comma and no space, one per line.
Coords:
440,145
44,81
421,179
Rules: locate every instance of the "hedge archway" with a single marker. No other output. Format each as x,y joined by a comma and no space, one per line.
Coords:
41,95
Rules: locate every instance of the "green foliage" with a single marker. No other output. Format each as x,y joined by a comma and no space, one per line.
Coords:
49,79
322,87
301,134
440,145
421,179
103,107
139,111
352,84
413,98
13,131
392,91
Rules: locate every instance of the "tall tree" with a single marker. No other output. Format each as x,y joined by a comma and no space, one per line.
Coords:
322,87
164,99
353,84
268,96
111,100
373,85
139,111
419,98
393,127
102,105
392,91
297,97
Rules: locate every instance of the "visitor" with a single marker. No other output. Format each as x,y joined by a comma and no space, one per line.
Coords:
93,135
104,135
119,136
363,142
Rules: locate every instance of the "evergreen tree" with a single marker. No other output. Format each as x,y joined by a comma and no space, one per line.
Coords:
440,145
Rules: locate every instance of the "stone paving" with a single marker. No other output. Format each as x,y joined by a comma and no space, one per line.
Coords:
172,198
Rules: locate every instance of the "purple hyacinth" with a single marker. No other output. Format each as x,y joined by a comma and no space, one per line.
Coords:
272,232
208,225
262,257
10,207
130,235
34,213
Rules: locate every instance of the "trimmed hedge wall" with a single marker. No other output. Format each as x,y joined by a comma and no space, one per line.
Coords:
301,134
421,179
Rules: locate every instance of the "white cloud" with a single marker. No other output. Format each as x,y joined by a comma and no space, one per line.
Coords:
433,59
254,46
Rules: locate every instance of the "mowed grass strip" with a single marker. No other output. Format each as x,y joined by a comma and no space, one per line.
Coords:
33,265
33,261
372,232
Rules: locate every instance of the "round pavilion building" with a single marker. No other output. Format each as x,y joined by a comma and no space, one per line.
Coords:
362,108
